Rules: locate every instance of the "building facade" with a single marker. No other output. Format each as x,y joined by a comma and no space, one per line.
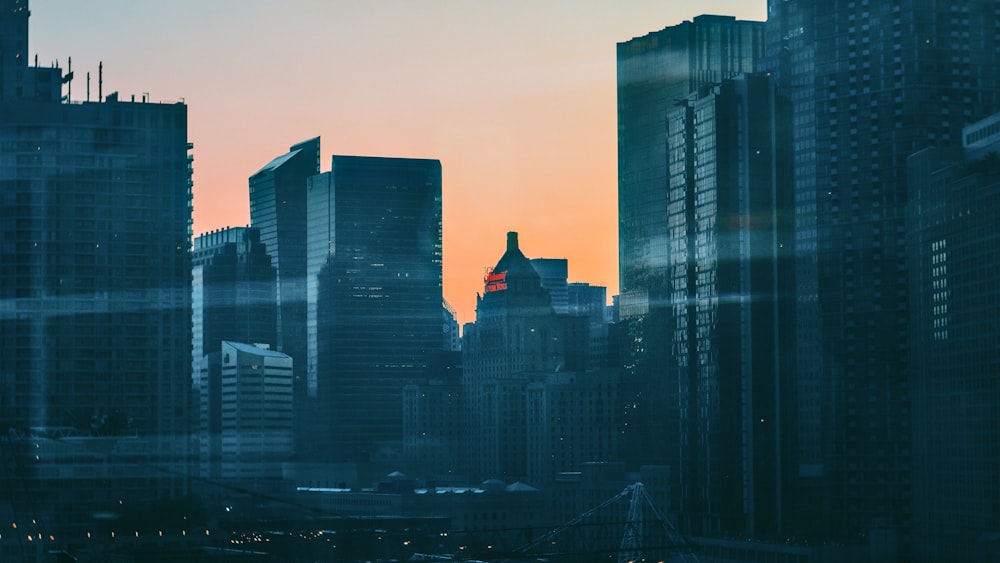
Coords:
858,115
519,347
655,72
954,262
374,271
278,211
256,412
95,283
732,294
233,298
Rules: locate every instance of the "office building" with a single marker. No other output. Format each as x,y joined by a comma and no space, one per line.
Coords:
95,290
656,72
278,211
732,283
954,265
591,301
374,286
517,340
233,298
256,412
554,273
871,83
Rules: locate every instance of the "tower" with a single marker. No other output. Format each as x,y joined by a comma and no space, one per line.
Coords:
858,116
374,286
95,282
278,210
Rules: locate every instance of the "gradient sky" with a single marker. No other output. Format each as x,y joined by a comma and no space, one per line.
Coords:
515,98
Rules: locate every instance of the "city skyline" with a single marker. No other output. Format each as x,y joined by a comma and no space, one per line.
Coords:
517,102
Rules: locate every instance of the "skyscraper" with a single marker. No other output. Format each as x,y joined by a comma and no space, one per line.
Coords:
871,83
655,73
95,287
374,286
278,210
954,263
732,295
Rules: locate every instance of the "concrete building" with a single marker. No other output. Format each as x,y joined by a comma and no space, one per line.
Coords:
256,410
95,284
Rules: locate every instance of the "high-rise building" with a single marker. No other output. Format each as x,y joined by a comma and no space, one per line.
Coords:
374,286
732,284
871,83
517,340
256,411
591,301
95,289
656,72
233,298
554,274
278,210
954,264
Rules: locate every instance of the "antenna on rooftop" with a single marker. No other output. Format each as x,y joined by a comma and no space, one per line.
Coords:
88,85
100,81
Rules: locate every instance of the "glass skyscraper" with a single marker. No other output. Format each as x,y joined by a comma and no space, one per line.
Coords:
374,316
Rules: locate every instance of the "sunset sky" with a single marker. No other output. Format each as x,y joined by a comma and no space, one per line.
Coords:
515,98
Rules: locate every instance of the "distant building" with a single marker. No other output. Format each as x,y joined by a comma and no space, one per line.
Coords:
433,426
256,412
374,285
233,299
520,348
278,211
95,287
591,301
452,338
954,264
554,273
493,517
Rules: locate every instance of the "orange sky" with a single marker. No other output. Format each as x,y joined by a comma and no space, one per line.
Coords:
515,98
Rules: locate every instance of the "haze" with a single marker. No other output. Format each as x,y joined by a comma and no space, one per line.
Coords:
516,99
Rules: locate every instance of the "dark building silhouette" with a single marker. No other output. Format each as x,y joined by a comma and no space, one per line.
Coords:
375,313
521,363
732,285
954,265
278,210
871,83
233,298
655,73
95,291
